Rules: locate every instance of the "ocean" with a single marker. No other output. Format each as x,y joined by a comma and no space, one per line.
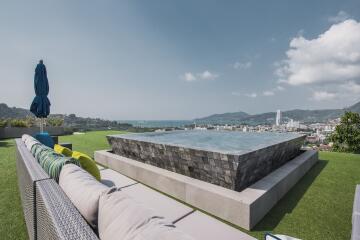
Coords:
158,123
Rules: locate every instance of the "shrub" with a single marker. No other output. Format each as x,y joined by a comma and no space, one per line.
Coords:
18,123
55,122
30,121
3,123
346,137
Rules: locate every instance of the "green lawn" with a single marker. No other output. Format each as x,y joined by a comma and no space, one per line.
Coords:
318,207
89,142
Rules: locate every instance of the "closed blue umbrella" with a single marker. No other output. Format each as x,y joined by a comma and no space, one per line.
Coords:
41,104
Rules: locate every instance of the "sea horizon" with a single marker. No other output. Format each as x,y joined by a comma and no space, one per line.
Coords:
158,123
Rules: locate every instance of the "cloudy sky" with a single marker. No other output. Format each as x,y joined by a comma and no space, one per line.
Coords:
181,59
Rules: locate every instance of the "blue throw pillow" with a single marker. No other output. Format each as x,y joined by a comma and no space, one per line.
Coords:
45,139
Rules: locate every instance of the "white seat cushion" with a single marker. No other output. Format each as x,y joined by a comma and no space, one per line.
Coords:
121,217
112,178
171,209
83,190
29,141
202,226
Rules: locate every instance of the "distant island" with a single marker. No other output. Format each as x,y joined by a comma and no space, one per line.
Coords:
304,116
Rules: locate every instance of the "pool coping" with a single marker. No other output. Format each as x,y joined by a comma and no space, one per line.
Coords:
245,208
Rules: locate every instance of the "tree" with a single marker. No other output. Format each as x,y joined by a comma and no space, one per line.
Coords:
346,137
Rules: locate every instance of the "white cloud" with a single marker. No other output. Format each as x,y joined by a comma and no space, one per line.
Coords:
268,93
300,32
251,95
273,91
189,77
206,75
280,88
242,65
351,87
236,94
340,17
323,96
332,57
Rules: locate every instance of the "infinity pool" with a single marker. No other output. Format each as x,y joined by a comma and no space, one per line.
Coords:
229,142
233,160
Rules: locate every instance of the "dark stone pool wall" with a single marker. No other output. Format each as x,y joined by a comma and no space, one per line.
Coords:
227,170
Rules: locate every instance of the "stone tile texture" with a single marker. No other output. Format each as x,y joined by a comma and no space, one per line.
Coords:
231,171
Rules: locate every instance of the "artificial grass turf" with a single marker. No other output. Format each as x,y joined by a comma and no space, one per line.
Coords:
320,204
12,224
318,207
90,141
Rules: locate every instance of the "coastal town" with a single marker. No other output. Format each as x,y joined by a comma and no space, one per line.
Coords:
317,134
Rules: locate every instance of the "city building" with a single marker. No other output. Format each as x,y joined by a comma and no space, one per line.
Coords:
278,118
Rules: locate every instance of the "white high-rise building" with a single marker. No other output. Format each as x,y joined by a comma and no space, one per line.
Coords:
278,118
293,124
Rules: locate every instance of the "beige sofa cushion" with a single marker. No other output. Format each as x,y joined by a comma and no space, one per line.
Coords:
121,217
29,141
83,190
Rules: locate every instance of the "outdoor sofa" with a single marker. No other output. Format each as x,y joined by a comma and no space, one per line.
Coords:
50,213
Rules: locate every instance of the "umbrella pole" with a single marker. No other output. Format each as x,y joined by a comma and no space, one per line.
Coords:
41,125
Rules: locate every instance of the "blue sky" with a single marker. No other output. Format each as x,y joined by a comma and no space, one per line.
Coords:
181,59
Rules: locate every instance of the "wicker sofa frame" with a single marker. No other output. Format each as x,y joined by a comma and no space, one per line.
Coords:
48,212
355,234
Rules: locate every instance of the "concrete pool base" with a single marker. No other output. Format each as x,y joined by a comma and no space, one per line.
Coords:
245,208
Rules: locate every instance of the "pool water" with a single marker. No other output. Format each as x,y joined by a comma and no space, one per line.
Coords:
230,142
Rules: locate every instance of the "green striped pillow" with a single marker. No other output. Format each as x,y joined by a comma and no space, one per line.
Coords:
40,150
51,161
56,166
47,158
34,148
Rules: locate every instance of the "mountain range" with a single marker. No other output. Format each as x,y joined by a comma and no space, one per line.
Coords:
304,116
71,121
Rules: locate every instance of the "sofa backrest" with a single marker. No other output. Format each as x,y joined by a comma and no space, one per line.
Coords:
48,212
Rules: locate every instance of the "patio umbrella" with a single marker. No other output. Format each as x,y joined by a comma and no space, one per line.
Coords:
40,106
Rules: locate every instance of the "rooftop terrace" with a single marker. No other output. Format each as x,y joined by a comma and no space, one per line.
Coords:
318,207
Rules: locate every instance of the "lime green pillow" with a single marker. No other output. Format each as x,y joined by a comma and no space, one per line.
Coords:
87,163
62,150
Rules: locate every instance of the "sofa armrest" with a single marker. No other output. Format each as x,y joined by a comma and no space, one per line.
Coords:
57,217
28,172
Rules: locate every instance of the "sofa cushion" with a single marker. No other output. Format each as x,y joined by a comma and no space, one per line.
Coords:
121,217
56,166
24,137
47,158
29,141
45,139
51,161
83,190
38,149
87,163
62,150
